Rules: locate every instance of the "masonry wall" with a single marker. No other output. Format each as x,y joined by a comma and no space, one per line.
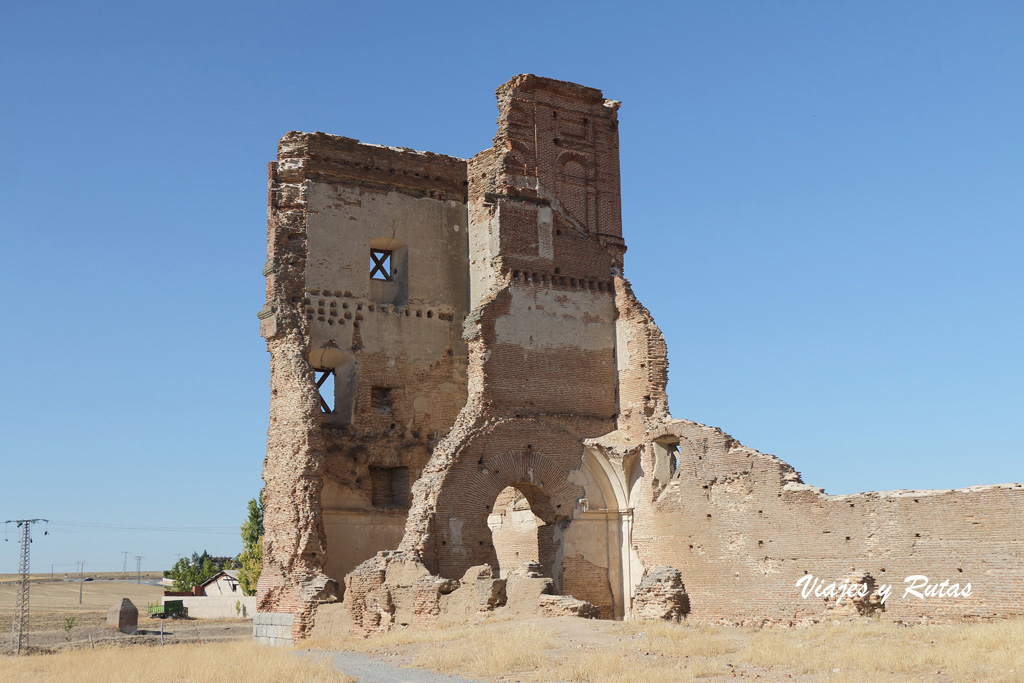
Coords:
506,351
340,462
742,529
545,245
218,606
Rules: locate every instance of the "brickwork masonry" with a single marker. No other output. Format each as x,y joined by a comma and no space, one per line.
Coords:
504,358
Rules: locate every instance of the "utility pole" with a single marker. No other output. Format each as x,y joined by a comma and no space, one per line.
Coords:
81,580
138,569
124,569
19,627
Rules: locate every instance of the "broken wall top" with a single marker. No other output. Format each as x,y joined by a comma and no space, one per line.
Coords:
336,159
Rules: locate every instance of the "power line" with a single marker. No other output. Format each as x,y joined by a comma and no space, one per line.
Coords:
19,626
92,528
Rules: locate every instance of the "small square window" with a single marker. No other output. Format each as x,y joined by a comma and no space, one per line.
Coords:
381,399
380,264
389,487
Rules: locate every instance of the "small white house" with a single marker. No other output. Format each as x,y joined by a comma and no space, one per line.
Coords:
219,597
223,583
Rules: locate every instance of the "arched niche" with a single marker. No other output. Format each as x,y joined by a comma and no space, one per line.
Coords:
515,532
594,561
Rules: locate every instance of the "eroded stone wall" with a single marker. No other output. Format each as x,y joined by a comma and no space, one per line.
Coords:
341,458
507,353
743,529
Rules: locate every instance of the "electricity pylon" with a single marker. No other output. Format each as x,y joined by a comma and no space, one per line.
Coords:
19,627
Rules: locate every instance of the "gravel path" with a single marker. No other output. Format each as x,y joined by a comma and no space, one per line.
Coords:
370,669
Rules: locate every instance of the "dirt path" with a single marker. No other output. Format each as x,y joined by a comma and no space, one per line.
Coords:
377,669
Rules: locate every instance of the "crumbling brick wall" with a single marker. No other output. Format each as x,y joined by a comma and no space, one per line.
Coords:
545,245
507,349
743,529
338,481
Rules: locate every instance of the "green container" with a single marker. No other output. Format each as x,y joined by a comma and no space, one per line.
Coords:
169,608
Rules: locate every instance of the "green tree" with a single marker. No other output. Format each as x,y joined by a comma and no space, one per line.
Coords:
251,557
189,572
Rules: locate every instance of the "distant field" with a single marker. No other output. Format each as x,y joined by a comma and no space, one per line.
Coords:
5,578
51,604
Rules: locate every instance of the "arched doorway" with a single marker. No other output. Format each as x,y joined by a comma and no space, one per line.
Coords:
514,532
575,493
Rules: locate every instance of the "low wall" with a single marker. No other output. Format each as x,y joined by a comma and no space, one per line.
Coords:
216,607
743,530
269,628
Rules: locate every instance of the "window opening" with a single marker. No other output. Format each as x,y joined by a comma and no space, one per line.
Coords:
325,388
380,264
389,487
381,399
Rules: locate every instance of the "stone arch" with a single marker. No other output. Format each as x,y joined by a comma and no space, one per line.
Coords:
594,564
515,532
453,509
578,495
519,159
575,171
465,540
584,162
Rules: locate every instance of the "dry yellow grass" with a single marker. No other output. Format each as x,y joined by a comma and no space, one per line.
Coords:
482,650
51,603
209,663
655,652
512,648
681,640
989,651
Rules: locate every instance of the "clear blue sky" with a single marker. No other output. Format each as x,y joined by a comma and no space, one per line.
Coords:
822,200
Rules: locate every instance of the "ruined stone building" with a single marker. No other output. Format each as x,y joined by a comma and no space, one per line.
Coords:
461,376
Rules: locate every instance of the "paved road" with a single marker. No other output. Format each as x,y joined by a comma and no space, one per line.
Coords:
370,669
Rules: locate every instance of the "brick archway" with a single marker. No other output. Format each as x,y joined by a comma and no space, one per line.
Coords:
482,467
465,539
514,531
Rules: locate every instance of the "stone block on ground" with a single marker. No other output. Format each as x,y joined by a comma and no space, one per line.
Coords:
661,595
124,616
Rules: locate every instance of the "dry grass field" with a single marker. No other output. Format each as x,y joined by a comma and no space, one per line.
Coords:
578,651
208,663
59,576
52,603
537,651
57,621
